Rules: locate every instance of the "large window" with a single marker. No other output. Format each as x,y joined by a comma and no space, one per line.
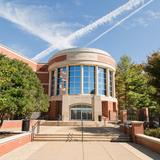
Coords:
110,83
61,81
79,112
74,80
88,79
101,81
52,83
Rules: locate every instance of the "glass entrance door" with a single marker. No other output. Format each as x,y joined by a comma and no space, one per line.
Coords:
81,112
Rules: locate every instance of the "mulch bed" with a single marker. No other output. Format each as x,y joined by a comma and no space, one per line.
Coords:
4,134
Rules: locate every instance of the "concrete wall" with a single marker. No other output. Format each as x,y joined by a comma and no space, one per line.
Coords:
10,143
150,142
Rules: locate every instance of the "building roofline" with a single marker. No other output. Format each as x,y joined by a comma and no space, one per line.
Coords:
17,54
70,50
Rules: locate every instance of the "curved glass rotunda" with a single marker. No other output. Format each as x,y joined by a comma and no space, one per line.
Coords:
82,85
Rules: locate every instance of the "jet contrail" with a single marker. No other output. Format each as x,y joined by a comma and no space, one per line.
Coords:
131,4
118,23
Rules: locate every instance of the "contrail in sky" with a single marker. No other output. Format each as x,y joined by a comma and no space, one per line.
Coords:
118,23
131,4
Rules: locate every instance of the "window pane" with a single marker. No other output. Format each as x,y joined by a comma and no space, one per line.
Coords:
88,79
110,83
61,80
52,83
74,80
101,81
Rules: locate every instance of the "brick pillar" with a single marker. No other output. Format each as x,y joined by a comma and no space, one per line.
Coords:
137,128
123,116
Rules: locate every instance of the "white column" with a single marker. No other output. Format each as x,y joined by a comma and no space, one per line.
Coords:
81,79
49,86
113,85
67,79
55,82
108,81
96,80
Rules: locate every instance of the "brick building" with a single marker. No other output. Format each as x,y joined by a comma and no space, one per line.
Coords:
80,83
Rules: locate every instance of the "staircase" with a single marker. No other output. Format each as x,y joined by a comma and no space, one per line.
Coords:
78,137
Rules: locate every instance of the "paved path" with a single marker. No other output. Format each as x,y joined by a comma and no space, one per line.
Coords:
81,151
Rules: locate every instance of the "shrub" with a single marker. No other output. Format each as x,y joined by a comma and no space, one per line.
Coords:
153,132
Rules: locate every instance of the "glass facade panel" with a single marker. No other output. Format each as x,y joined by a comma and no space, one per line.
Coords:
74,86
52,83
101,81
88,79
110,83
61,80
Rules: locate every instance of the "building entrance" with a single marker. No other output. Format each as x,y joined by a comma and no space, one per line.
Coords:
80,112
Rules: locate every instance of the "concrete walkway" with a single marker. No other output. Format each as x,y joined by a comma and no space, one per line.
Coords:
81,151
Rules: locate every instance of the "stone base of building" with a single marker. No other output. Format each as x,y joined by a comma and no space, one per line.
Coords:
86,107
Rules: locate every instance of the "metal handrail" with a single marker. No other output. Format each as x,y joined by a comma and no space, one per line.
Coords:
34,127
82,127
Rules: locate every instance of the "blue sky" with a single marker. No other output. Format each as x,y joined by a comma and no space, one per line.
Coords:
29,27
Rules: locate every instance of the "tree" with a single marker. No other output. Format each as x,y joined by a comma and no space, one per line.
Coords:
152,67
21,92
132,89
121,81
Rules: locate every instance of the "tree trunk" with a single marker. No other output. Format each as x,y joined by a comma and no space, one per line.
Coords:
1,119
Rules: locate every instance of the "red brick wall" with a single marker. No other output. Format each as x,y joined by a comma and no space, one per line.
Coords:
109,110
13,55
58,59
44,77
52,110
105,108
15,124
55,109
42,67
11,145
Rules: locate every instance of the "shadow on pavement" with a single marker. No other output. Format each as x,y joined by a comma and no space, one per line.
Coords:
95,130
146,151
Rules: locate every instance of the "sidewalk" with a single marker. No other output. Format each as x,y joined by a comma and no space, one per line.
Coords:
81,151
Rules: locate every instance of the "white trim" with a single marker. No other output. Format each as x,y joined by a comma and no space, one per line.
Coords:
79,50
42,72
12,138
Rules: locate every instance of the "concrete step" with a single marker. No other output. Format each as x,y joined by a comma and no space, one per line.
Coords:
70,123
85,139
87,135
78,137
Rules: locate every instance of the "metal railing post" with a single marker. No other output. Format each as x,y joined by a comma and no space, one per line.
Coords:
82,127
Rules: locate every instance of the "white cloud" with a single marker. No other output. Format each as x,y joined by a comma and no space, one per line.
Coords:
144,20
130,5
119,22
37,23
59,34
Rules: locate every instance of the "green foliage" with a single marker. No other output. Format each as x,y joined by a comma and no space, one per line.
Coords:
152,132
21,92
152,67
132,89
